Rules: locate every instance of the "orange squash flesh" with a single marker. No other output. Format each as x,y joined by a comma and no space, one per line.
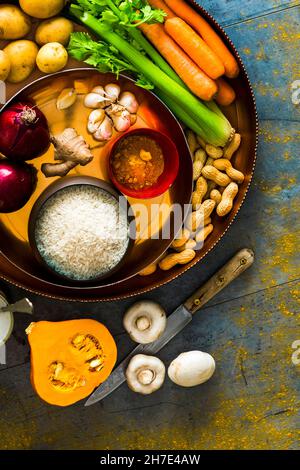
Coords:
69,359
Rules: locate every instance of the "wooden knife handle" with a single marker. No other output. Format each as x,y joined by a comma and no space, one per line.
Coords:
230,271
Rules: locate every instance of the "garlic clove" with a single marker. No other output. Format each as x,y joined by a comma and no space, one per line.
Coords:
66,99
129,101
104,131
99,90
112,91
95,119
120,117
95,101
122,123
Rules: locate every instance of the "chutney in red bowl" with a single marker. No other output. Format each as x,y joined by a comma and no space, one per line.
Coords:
143,163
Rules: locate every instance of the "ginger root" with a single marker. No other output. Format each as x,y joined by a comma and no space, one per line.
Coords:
70,150
57,169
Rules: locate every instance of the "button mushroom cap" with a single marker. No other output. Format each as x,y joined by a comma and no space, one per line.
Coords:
191,368
145,374
145,321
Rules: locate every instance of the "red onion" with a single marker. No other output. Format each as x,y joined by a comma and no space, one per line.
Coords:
17,183
24,132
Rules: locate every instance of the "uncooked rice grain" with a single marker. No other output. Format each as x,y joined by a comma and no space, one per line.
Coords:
81,232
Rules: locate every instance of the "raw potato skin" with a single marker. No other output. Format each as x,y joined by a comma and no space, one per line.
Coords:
14,24
52,57
4,66
22,55
42,9
54,30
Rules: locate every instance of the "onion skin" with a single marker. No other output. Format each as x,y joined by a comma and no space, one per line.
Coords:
24,132
17,184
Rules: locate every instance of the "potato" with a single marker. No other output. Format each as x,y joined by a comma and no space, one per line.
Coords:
42,8
5,65
54,30
52,57
22,55
14,24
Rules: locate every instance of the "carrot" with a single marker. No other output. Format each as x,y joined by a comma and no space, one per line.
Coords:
226,94
196,80
187,13
160,5
195,47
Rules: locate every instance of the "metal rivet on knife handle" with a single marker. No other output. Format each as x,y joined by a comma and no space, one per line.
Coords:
232,269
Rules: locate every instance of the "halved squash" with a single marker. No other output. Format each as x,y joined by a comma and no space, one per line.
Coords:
69,359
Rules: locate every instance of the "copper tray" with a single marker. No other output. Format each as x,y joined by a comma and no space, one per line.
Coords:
243,117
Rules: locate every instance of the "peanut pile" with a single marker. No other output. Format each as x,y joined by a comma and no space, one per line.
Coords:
216,186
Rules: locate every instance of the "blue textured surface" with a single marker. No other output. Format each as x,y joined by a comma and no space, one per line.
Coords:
253,399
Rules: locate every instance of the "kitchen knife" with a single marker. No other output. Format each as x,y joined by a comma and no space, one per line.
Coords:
178,319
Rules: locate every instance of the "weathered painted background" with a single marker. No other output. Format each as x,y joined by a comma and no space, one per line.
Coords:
253,399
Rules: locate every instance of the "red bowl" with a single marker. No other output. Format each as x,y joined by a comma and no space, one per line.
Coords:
171,165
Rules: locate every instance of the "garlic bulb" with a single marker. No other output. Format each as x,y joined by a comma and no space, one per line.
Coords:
191,368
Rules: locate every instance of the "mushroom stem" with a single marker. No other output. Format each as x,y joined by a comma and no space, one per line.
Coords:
143,323
146,377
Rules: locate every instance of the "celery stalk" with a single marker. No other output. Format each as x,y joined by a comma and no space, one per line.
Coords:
181,114
217,130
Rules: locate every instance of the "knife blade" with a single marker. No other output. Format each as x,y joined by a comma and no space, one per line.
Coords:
178,320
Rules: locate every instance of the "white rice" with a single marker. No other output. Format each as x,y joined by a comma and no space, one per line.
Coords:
81,232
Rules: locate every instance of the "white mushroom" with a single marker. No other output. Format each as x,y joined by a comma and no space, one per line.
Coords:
95,119
129,101
104,131
145,374
112,91
191,368
145,321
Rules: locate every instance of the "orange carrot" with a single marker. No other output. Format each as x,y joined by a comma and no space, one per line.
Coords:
209,35
196,80
160,5
195,47
226,94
